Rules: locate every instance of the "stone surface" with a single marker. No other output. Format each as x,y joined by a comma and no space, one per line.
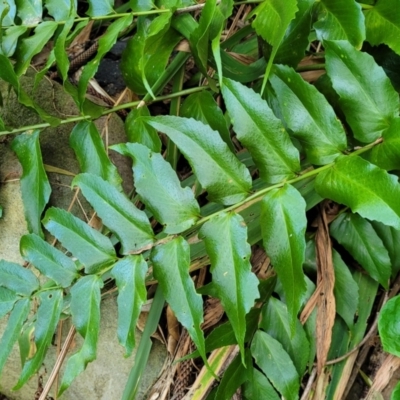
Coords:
106,377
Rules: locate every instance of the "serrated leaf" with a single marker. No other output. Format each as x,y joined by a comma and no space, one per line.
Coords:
98,8
85,310
369,106
383,24
340,20
48,260
202,107
139,132
217,169
258,387
32,45
129,274
365,188
60,10
30,11
13,329
310,117
7,301
160,190
92,157
35,185
391,240
171,265
147,53
10,38
276,364
93,249
7,12
234,376
283,226
386,155
261,133
47,318
359,238
225,237
117,212
17,278
106,41
388,326
276,322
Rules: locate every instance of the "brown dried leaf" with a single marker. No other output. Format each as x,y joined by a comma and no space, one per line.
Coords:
173,331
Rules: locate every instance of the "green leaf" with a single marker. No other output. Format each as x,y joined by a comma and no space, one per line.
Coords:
345,291
276,364
234,376
396,392
30,11
32,45
60,52
160,190
7,301
383,24
217,169
283,226
258,387
276,322
85,310
171,265
359,238
7,12
261,133
273,18
47,318
386,155
340,20
92,157
10,38
13,329
35,186
98,8
389,330
48,260
139,132
92,248
225,237
17,278
141,5
60,10
391,240
106,41
129,274
309,116
365,188
147,53
117,212
369,106
202,107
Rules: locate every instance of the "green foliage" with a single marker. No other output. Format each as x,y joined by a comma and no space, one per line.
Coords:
297,148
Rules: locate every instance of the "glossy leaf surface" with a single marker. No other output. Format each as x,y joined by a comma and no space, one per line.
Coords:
225,237
7,300
17,278
234,376
51,302
85,310
60,10
102,7
283,225
365,188
369,105
217,169
261,133
160,190
308,114
360,239
117,212
35,185
259,387
340,20
30,11
171,264
129,274
92,157
92,248
50,261
389,330
276,364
